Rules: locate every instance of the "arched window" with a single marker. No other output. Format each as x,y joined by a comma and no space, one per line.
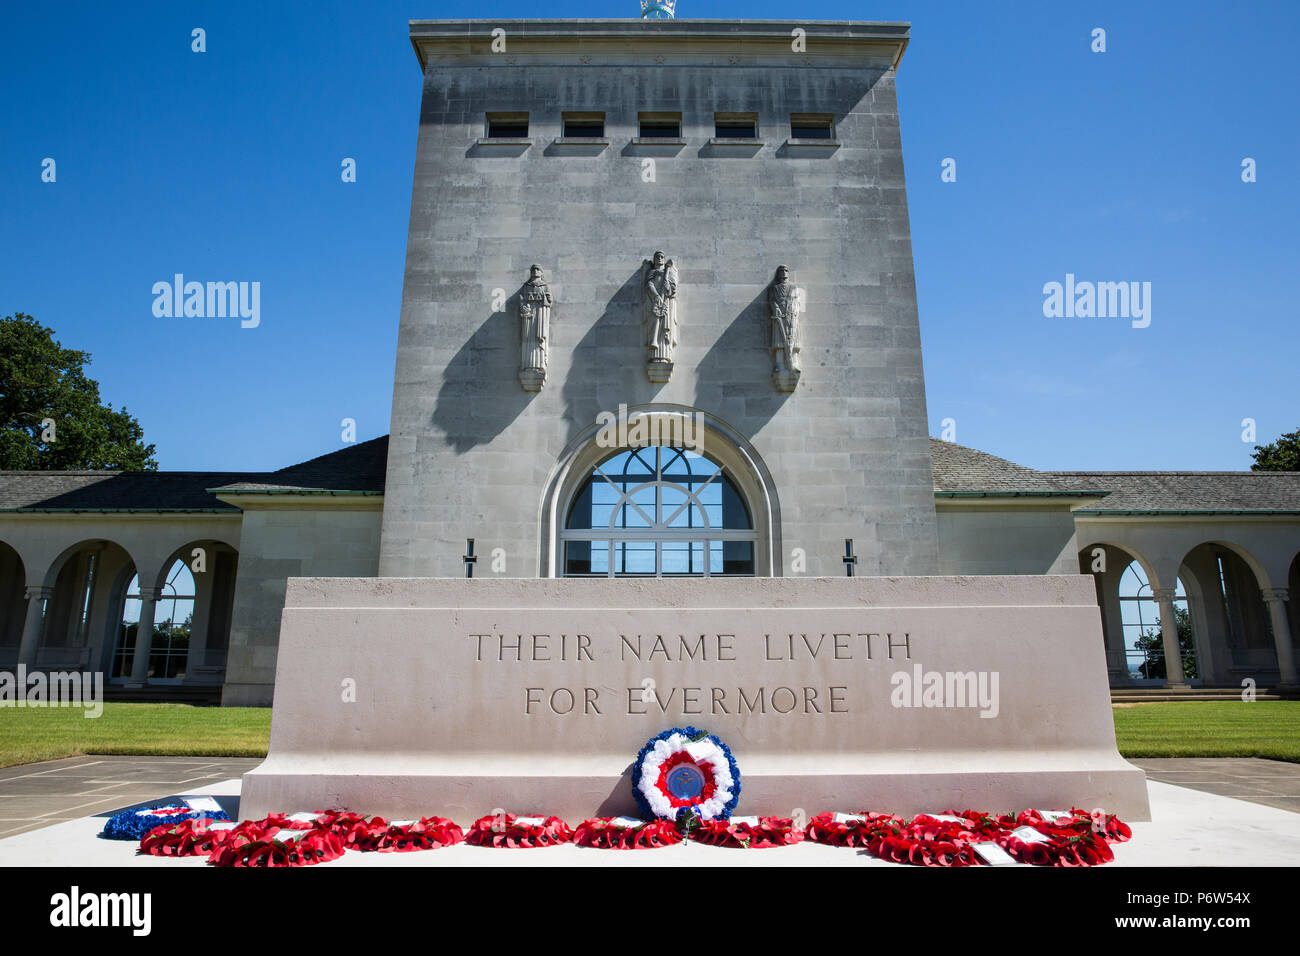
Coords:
173,618
658,511
1143,638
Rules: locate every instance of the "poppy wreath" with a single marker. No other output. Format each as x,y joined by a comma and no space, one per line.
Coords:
427,833
134,824
927,841
1065,838
1099,822
187,838
509,830
752,833
848,829
685,775
276,846
1070,838
608,833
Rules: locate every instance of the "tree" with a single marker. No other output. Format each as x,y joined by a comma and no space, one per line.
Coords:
1281,455
51,418
1152,643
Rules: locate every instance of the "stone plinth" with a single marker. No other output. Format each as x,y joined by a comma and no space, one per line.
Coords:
406,696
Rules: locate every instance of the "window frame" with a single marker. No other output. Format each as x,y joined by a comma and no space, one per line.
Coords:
659,530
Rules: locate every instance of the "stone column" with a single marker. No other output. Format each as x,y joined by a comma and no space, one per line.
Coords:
31,642
1276,598
143,638
1169,631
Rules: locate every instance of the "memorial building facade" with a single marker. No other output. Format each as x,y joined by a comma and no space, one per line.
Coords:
659,320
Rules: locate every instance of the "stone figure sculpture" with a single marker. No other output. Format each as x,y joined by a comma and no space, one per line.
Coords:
785,309
534,330
659,315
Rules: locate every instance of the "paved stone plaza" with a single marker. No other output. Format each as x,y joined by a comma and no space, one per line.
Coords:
54,810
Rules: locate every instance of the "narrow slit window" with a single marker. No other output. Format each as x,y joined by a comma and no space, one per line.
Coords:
811,126
735,126
660,126
584,125
507,126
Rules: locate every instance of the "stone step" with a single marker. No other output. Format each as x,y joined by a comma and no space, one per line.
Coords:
199,695
1164,695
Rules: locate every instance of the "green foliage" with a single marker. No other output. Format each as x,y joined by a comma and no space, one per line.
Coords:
40,380
1153,644
1281,455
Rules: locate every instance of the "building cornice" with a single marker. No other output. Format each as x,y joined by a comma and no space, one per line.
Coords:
662,42
277,500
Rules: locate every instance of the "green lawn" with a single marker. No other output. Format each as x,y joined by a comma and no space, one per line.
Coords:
1193,729
46,733
1212,728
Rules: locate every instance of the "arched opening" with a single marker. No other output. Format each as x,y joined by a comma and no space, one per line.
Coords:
1144,649
13,604
1238,639
80,618
1293,600
658,511
723,451
1107,564
192,613
173,620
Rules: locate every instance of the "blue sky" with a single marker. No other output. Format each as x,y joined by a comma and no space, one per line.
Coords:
1115,166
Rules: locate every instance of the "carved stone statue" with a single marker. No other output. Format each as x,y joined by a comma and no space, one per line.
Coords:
534,330
785,308
659,315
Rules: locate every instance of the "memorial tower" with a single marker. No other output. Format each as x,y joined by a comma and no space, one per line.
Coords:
696,225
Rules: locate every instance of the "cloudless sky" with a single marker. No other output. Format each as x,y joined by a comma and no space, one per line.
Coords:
225,165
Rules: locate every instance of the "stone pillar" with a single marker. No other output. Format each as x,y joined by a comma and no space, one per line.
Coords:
31,642
197,654
1169,631
1276,598
143,638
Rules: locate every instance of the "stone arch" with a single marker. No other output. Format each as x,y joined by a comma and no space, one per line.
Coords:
717,439
13,602
1107,583
1242,623
78,620
214,573
1257,568
1293,596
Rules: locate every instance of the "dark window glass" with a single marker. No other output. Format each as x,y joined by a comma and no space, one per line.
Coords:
585,129
507,128
729,130
661,130
810,130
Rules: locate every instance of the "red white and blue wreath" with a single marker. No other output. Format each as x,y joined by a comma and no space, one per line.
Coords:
685,775
134,824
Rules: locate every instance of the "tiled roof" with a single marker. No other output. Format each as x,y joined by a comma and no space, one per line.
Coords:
359,469
960,471
111,490
356,469
1182,492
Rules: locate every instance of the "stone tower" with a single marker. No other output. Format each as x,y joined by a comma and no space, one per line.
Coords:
585,147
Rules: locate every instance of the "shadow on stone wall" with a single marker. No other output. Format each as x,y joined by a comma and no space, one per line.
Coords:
735,374
480,395
607,365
